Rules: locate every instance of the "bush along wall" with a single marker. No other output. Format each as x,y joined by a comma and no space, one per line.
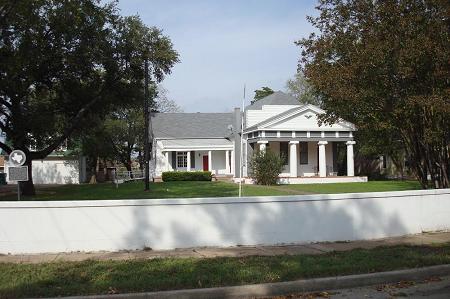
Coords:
169,176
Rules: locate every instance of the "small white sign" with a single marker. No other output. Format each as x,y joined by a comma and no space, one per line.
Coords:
17,158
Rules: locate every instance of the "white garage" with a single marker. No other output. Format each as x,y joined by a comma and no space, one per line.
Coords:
57,170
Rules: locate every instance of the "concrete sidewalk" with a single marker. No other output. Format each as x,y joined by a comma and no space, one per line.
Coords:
240,251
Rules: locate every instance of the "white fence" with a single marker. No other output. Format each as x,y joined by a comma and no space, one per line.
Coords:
62,226
124,176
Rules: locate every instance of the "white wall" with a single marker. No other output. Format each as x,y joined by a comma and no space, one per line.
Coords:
54,171
36,227
199,159
218,162
306,120
159,164
256,116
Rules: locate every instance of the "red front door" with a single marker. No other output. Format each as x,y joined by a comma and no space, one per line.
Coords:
205,163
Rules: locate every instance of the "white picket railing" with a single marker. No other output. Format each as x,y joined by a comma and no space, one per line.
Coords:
125,176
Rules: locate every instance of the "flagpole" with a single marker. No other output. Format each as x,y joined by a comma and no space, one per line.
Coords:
241,152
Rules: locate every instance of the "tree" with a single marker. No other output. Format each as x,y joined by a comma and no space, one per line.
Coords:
120,136
124,130
301,89
163,104
262,93
266,166
383,65
94,144
63,61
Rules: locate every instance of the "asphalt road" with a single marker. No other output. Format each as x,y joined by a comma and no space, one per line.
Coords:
434,287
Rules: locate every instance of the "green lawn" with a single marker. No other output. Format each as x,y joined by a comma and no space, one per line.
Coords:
372,186
103,277
203,189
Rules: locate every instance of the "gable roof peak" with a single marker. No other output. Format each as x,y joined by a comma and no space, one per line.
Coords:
276,98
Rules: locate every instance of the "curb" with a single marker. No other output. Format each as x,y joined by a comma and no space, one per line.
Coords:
285,288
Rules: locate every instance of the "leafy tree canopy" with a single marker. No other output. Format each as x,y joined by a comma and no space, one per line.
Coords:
163,103
63,61
302,90
262,93
383,65
120,136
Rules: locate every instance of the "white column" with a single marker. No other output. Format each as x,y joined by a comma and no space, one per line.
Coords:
322,159
232,163
293,158
166,159
350,159
188,168
209,160
262,145
245,160
227,161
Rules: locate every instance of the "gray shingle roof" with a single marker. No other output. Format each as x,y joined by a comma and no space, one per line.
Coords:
276,98
191,125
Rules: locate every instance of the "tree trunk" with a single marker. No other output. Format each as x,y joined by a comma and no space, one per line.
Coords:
93,170
141,160
128,167
27,188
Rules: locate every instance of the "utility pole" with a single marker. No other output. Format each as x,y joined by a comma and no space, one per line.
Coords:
146,137
241,152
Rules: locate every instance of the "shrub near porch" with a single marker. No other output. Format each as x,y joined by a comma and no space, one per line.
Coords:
169,176
266,166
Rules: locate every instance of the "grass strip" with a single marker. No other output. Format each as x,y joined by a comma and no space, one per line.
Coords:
108,277
135,190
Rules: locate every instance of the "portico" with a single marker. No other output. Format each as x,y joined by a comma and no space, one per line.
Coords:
308,147
320,163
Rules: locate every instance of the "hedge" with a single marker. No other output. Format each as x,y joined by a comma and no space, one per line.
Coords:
169,176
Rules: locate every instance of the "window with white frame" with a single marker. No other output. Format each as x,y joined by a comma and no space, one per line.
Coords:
181,159
303,152
284,152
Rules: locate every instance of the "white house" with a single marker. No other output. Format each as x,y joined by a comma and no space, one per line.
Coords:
193,141
211,141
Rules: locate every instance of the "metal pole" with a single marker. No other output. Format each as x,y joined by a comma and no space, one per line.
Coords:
18,191
146,137
241,151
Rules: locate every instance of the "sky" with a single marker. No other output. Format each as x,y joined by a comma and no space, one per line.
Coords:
224,45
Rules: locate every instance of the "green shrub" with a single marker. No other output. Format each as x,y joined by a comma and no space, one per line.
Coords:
266,166
169,176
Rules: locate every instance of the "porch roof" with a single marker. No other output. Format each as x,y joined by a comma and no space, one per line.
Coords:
300,139
196,144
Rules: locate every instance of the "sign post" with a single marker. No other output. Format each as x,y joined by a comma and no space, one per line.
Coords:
17,172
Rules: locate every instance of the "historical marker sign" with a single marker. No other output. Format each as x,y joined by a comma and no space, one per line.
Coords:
18,173
17,158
